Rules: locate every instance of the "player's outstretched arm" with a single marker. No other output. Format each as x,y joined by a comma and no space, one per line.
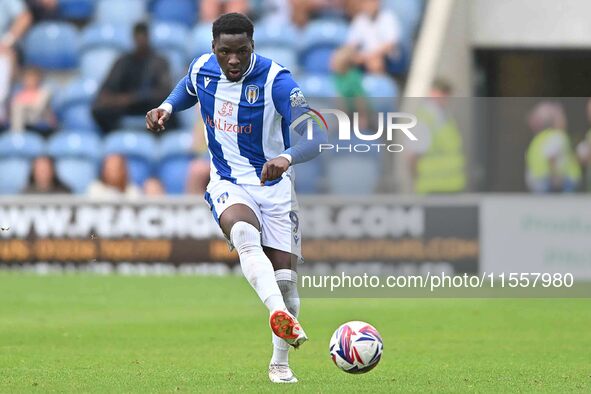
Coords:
180,99
307,146
291,104
303,150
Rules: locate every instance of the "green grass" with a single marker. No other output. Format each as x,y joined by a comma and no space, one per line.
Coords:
167,334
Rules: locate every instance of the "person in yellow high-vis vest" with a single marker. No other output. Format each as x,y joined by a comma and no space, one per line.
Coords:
551,165
437,159
584,152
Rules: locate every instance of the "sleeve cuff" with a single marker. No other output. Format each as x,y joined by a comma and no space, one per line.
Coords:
167,107
287,156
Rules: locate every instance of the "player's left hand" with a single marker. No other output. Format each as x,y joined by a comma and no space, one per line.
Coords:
273,169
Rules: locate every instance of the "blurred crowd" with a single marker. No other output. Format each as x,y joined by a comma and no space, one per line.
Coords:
555,163
73,70
77,76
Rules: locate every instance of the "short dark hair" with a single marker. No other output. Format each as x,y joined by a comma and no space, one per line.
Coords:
140,28
443,85
232,23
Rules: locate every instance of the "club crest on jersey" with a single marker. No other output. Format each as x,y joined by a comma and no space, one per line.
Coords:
222,199
252,93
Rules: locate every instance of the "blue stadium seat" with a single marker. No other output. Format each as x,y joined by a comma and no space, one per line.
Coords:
120,12
133,122
106,35
200,40
409,13
176,155
16,152
189,117
325,32
379,86
73,105
258,7
382,92
317,85
353,174
52,46
320,92
179,11
277,42
76,158
317,60
21,144
320,40
308,176
76,9
268,32
97,63
283,55
15,174
138,147
79,117
170,39
100,47
401,64
77,91
331,13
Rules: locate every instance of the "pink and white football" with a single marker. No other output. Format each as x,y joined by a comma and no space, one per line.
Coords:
356,347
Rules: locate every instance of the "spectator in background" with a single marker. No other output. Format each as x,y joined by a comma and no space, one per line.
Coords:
42,10
198,177
212,9
584,151
153,188
551,166
43,179
303,11
436,160
114,180
138,81
372,42
278,11
30,107
15,19
198,174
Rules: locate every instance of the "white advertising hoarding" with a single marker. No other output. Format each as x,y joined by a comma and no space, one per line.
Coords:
526,234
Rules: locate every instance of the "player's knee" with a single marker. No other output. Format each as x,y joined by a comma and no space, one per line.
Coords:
245,237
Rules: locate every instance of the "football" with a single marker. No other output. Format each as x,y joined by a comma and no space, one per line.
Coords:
356,347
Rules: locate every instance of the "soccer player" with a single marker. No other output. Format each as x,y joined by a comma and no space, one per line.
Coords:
248,104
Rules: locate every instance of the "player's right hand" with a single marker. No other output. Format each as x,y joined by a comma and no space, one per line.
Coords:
156,118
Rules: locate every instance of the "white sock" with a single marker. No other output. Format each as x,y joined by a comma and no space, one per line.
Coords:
256,266
280,351
287,280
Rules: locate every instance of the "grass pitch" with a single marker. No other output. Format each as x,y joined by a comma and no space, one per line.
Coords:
80,333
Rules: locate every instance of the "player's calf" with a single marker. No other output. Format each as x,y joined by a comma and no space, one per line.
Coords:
256,266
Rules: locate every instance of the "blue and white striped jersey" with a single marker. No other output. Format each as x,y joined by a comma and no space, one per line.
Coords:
247,122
